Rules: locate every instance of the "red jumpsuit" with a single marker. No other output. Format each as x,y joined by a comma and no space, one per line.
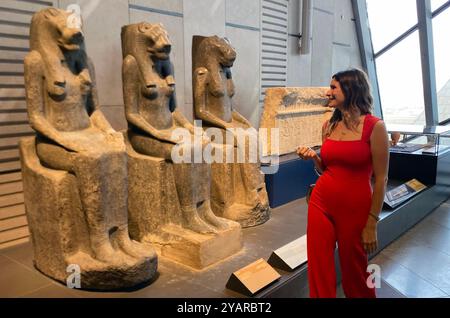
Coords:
338,211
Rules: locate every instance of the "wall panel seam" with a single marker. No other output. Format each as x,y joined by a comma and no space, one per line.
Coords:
154,10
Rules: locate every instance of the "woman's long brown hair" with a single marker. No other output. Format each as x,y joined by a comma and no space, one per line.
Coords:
356,88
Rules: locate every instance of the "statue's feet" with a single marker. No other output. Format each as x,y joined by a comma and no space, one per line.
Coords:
208,215
263,197
105,252
195,223
252,198
133,248
237,212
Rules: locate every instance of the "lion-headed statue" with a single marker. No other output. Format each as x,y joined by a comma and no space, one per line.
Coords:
50,36
211,55
143,39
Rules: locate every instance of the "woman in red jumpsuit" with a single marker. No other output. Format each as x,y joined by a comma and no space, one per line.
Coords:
344,207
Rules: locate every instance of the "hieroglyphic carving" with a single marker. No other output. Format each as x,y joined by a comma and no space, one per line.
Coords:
298,113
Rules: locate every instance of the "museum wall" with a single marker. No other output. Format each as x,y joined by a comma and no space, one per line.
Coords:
245,23
334,44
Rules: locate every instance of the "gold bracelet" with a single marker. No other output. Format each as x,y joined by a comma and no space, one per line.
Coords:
376,217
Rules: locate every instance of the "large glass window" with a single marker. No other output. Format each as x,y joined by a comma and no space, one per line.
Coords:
436,4
441,27
400,82
398,66
389,19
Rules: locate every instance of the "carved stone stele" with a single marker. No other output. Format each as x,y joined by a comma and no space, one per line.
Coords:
298,113
169,202
75,169
238,189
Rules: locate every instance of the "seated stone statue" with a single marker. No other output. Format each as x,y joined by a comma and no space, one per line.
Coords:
76,143
238,191
148,89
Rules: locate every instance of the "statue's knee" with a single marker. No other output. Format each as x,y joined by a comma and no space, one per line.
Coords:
54,157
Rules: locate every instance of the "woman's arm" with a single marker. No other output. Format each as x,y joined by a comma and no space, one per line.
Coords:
307,153
379,147
318,164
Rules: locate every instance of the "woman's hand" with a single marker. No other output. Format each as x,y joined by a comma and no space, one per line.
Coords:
306,153
369,236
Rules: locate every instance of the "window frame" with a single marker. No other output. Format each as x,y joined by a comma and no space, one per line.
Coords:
424,26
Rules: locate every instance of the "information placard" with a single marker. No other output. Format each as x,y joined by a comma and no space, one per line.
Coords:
403,192
252,278
290,256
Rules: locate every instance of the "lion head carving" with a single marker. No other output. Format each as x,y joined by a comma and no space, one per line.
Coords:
149,44
55,41
215,54
212,50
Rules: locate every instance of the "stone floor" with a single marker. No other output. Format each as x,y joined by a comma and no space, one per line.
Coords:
18,277
415,265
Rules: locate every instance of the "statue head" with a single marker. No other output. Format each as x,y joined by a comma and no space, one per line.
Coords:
149,44
55,36
213,48
146,38
51,26
226,53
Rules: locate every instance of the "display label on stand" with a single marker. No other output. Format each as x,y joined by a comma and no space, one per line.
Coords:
290,256
252,278
403,192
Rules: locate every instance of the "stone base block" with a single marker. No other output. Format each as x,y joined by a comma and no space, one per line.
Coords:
196,250
106,276
60,233
155,216
232,200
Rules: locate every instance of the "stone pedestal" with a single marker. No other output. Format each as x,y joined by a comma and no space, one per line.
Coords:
60,233
155,216
238,190
233,200
197,250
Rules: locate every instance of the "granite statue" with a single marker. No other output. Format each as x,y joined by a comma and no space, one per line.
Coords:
75,168
169,201
238,189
